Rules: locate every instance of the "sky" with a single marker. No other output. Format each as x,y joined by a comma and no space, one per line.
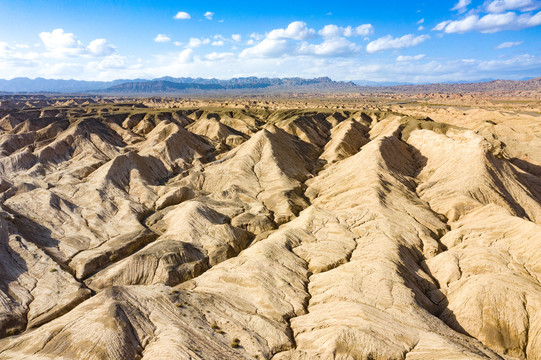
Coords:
383,41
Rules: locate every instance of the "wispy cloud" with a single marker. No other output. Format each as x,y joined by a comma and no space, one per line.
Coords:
461,6
209,15
498,6
490,23
508,44
403,58
388,42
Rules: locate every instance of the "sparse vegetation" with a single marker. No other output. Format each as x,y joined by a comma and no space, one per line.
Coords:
53,270
11,332
235,343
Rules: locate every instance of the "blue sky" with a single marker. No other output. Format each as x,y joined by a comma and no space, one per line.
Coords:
386,40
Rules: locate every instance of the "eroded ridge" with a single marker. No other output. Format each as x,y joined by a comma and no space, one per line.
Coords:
144,231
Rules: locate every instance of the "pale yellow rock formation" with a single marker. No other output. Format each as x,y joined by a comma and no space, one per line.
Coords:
242,229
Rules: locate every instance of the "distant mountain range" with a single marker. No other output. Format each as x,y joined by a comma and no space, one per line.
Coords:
166,85
171,85
489,86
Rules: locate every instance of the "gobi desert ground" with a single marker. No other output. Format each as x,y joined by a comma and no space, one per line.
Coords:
383,227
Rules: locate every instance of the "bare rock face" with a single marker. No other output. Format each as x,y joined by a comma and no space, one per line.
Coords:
238,232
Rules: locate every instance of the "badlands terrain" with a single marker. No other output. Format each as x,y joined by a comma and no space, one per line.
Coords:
347,227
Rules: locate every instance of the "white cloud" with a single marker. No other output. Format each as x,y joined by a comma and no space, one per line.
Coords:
420,21
461,6
508,44
209,15
186,56
363,30
178,43
215,56
420,28
297,30
332,30
162,38
10,56
402,58
498,6
256,36
236,37
490,23
60,44
441,25
100,47
218,43
268,48
182,15
388,42
113,62
336,46
196,42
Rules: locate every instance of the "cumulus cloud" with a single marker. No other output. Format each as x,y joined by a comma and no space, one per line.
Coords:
295,40
218,43
162,38
100,47
297,30
268,48
196,42
461,6
336,46
498,6
182,15
490,23
209,15
388,42
60,44
186,56
402,58
236,37
332,30
508,44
